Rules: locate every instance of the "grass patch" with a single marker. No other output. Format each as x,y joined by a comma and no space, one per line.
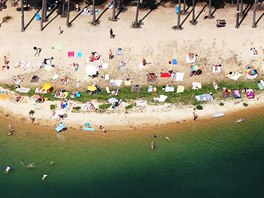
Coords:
221,104
199,107
76,109
245,104
185,98
31,112
104,106
129,106
52,107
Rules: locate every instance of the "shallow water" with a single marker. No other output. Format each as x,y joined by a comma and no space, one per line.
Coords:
223,159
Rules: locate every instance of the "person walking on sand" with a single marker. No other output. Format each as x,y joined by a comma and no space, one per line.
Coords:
112,35
110,54
195,116
37,51
60,30
101,127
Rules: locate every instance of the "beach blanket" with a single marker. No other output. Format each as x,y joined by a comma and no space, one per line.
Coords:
48,68
204,97
71,54
23,90
253,51
180,89
141,103
162,98
4,94
79,54
250,93
105,65
119,51
62,95
250,77
216,69
22,64
106,77
169,89
151,77
35,79
117,83
196,85
179,76
234,75
165,75
58,47
174,61
236,94
190,60
261,84
127,82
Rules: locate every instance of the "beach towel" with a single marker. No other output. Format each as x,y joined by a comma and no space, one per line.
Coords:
23,90
162,98
250,77
250,93
165,75
150,89
48,68
105,65
141,103
180,89
169,89
204,97
38,17
71,54
127,82
174,62
79,54
190,60
253,51
236,94
234,75
179,76
35,79
216,69
58,47
106,77
261,84
119,51
117,83
196,85
107,90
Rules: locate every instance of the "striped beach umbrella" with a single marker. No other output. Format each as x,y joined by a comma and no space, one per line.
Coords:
251,71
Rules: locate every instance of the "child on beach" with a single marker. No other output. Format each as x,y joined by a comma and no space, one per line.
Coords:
112,35
195,116
102,128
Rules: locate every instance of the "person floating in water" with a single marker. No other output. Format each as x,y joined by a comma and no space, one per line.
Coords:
44,176
7,169
167,138
240,120
152,145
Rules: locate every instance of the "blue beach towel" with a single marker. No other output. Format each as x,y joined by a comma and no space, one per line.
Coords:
38,17
79,54
174,61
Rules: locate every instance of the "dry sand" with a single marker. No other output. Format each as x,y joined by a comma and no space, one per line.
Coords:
156,41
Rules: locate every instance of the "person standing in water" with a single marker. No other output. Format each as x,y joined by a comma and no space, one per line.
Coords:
10,130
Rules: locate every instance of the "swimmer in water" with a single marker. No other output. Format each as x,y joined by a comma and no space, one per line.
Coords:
7,169
167,138
240,120
152,145
44,176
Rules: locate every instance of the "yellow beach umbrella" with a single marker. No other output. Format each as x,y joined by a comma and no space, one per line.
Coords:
91,88
47,86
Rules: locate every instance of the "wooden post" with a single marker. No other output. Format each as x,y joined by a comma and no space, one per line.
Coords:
42,16
254,14
22,17
113,13
210,9
241,8
68,14
179,17
136,19
237,15
63,8
93,22
193,13
44,7
184,6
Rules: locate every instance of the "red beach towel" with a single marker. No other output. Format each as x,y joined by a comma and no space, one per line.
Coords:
165,75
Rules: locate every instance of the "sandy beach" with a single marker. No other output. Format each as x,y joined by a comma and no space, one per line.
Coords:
156,41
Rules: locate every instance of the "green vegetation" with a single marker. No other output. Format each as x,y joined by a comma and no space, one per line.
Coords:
52,107
221,104
76,109
199,107
104,106
245,104
31,112
129,106
187,97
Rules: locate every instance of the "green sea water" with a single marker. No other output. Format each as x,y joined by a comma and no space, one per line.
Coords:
222,159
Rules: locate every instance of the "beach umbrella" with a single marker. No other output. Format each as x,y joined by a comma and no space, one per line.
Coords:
47,86
91,88
194,67
251,71
91,70
112,100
